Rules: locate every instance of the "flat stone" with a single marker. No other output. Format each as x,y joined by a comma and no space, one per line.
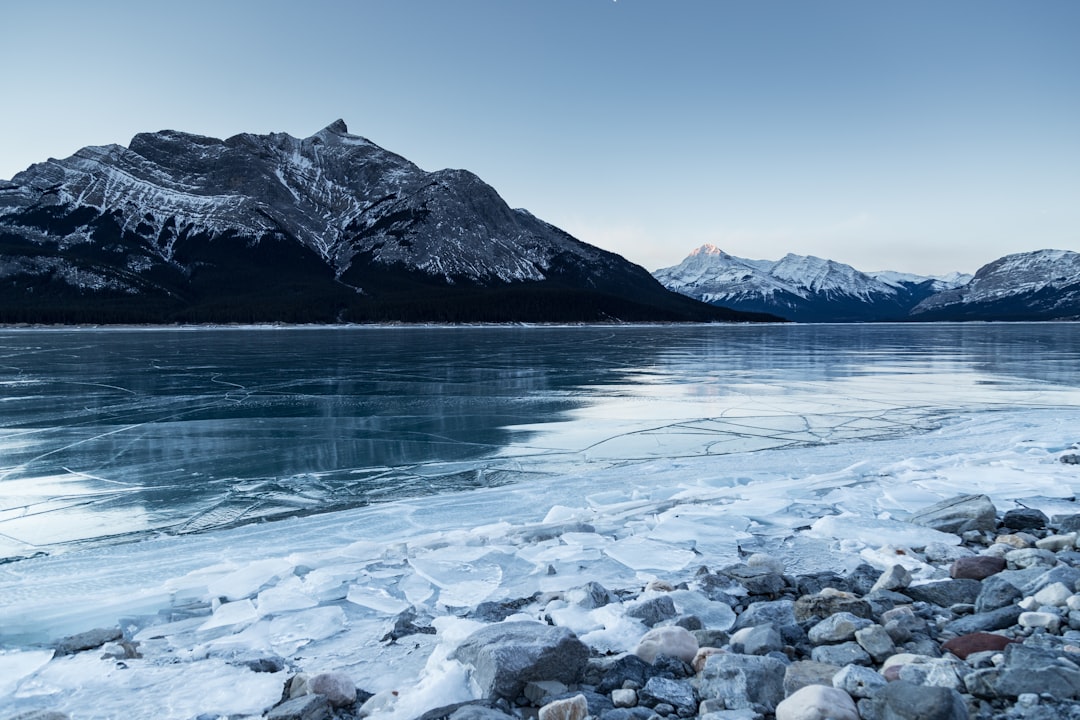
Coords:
836,628
858,681
985,621
1050,621
89,640
743,681
507,655
817,702
945,592
801,673
976,567
847,653
1025,519
829,602
1030,557
305,707
777,613
677,693
574,708
959,514
756,580
670,640
1070,459
965,645
1057,543
903,700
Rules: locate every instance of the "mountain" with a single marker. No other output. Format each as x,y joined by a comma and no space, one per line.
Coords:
1040,285
184,228
799,288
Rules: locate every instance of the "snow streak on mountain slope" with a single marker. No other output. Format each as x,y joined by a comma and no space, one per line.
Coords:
1044,284
256,226
802,288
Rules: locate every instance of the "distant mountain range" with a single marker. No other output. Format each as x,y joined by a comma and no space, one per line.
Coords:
330,228
1041,285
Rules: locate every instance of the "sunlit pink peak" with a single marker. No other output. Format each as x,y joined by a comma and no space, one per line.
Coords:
708,249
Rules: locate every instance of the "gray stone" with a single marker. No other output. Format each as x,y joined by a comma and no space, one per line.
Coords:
935,673
996,592
1025,519
507,655
801,673
474,711
756,580
858,681
1027,669
777,613
677,693
945,592
1069,523
634,713
1070,459
759,640
305,707
88,640
895,578
1030,557
829,602
338,688
594,595
1068,576
624,697
875,640
837,628
541,692
959,514
743,681
902,700
848,653
653,611
627,668
985,621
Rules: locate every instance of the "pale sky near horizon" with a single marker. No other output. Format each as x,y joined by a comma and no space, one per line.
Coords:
920,136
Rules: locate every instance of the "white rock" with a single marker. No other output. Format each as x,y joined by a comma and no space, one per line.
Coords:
575,708
623,698
1054,543
1055,594
895,578
1073,603
1046,620
817,702
669,640
1028,603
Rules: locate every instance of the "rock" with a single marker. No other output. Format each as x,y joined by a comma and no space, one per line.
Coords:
996,592
902,623
265,664
653,611
1018,540
677,693
88,640
627,668
858,681
756,580
575,708
934,672
837,628
337,688
1056,543
1049,621
895,578
801,673
1070,459
977,567
1064,574
624,697
829,602
593,595
305,707
848,653
669,640
965,645
702,655
759,640
945,592
1025,519
959,514
903,700
541,692
1055,595
507,655
405,625
1032,670
986,621
1030,557
743,681
763,561
634,713
876,641
817,702
1068,523
672,667
777,613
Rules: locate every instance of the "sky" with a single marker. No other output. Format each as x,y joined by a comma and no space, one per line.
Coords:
921,136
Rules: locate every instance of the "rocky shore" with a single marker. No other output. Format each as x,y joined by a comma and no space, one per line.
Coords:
984,626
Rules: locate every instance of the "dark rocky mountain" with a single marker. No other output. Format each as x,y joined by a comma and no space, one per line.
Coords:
800,288
330,228
1040,285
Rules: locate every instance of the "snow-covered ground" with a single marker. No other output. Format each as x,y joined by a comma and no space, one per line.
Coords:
820,475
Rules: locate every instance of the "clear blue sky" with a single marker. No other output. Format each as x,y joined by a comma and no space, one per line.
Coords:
922,135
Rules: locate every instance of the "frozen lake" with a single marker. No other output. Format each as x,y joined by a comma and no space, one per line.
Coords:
432,469
107,432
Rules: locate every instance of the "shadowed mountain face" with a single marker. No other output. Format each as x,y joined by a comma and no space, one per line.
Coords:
179,227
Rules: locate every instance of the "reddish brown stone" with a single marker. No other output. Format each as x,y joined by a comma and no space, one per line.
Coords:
965,645
977,567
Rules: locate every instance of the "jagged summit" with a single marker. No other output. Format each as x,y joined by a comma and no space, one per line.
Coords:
331,221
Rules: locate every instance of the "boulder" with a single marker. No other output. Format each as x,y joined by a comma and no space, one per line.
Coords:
653,611
670,640
338,688
817,702
977,567
858,681
945,593
1025,519
305,707
1033,670
777,613
903,700
506,655
837,628
896,577
574,708
759,640
959,514
985,622
88,640
677,693
996,592
743,681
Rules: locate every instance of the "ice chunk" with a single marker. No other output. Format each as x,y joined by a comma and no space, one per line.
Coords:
377,599
16,665
247,580
287,595
638,553
289,632
466,576
234,614
875,532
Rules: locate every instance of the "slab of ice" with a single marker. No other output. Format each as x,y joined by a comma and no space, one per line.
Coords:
377,599
231,615
289,594
874,532
640,553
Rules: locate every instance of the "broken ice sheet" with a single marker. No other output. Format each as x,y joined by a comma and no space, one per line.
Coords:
639,553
